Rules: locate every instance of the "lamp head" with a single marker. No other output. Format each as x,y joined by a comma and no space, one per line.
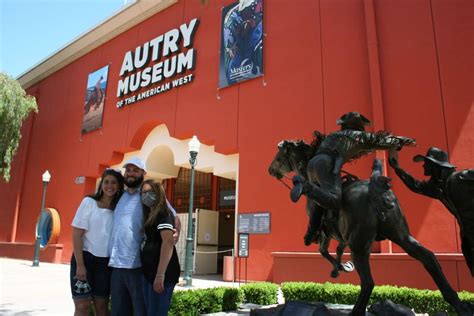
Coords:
46,176
194,144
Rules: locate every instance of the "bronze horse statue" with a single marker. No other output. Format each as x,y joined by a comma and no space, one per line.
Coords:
370,211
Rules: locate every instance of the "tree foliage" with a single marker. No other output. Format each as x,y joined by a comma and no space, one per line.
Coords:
15,105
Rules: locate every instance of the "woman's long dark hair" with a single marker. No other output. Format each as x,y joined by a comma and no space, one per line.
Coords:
98,195
150,214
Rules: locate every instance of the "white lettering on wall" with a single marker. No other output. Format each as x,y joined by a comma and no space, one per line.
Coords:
156,60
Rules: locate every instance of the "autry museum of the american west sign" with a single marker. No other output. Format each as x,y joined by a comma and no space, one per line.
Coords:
145,70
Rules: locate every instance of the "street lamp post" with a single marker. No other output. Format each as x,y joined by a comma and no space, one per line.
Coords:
194,145
46,179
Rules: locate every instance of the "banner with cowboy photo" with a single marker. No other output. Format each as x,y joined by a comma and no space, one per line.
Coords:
241,51
94,100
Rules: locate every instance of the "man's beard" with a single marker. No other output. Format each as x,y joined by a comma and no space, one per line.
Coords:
134,183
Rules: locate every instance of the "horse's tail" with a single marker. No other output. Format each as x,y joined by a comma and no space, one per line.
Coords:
380,198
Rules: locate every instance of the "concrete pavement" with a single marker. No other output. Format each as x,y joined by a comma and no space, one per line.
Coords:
27,290
44,290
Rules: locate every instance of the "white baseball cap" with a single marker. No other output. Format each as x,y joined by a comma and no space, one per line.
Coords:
136,162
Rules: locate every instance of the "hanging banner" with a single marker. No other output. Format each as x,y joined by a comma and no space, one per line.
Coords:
94,100
241,51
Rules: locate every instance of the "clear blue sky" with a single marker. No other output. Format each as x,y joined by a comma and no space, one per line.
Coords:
31,30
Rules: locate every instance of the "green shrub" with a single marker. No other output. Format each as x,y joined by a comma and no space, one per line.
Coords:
209,301
231,298
184,303
205,301
262,293
317,292
422,301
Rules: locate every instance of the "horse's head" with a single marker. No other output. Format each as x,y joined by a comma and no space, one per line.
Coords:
284,161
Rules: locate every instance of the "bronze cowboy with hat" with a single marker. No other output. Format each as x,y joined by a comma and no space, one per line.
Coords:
324,168
455,189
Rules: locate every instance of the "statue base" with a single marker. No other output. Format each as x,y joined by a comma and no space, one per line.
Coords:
301,308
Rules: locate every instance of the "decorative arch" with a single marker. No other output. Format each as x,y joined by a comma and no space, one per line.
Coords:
164,155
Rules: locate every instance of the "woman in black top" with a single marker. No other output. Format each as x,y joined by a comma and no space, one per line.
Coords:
160,263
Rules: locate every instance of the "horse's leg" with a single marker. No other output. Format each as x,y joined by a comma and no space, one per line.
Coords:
362,265
315,214
347,266
339,252
324,241
427,258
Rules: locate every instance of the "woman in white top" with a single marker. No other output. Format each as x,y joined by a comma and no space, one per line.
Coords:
91,229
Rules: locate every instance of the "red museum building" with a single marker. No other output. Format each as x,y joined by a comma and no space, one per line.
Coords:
405,64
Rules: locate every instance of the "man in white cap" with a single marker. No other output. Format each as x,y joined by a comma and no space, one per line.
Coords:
127,236
126,283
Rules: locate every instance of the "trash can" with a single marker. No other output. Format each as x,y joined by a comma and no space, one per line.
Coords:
228,269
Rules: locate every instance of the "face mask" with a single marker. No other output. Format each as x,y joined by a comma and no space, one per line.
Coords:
149,198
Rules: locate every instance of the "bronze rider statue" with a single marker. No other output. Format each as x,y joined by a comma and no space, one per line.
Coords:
324,169
455,189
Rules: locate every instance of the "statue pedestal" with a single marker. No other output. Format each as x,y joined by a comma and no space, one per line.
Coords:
301,308
393,269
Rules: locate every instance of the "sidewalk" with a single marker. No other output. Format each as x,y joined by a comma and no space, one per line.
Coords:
44,290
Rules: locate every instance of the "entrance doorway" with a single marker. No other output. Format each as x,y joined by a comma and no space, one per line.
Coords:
212,194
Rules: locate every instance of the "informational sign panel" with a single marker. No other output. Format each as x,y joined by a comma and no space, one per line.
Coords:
254,223
243,245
